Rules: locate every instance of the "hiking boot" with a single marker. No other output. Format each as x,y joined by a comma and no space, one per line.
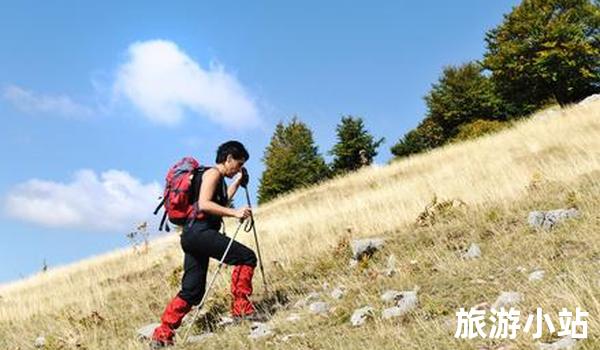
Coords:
170,321
241,288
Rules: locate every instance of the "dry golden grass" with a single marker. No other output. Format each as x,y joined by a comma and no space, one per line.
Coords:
538,164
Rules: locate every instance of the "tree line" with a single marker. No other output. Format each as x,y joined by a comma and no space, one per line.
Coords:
545,52
293,160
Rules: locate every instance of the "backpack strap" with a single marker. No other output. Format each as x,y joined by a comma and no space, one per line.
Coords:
162,222
162,202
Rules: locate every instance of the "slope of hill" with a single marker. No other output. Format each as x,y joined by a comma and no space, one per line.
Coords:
539,164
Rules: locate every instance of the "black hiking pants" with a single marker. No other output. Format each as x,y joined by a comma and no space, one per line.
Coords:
200,242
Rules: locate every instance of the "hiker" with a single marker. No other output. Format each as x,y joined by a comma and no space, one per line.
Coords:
202,240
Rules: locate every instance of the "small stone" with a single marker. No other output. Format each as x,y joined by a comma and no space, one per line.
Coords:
352,263
474,252
40,342
548,219
507,299
521,269
391,312
566,343
367,246
293,317
337,293
259,330
145,332
408,301
225,321
360,316
537,275
391,296
199,338
536,218
319,307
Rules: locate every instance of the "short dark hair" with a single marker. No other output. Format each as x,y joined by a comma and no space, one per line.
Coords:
235,148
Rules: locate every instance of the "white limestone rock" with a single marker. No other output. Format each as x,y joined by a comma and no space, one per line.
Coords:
40,342
537,275
474,252
360,316
361,247
145,332
225,321
408,301
391,296
260,330
566,343
319,308
546,220
293,317
507,299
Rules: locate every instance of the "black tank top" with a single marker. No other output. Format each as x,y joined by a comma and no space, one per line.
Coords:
219,197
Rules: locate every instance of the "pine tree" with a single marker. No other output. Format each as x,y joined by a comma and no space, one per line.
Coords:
355,146
291,161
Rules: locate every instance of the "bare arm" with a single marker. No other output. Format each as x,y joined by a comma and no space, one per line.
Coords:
231,190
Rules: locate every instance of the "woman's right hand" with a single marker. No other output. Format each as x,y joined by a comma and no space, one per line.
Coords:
243,213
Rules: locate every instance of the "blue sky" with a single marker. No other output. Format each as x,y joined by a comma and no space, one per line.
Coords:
97,99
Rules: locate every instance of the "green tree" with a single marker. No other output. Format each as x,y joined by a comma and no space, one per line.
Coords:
544,51
427,135
461,95
291,160
355,146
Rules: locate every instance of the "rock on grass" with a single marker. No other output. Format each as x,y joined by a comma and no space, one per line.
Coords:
507,299
145,332
566,343
362,247
546,220
360,316
260,330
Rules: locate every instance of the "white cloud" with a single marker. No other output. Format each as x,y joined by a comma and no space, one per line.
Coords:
31,102
112,201
163,82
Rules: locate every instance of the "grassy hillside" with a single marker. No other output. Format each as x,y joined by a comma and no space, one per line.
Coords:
539,164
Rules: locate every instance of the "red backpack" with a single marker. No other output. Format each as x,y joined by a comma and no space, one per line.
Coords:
181,193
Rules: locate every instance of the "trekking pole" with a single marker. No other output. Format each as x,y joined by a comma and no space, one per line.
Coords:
212,281
260,263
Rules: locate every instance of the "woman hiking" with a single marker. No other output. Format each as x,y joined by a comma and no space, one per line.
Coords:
201,240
